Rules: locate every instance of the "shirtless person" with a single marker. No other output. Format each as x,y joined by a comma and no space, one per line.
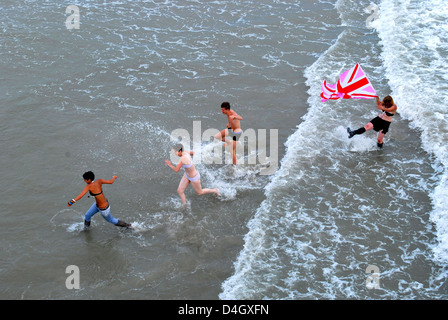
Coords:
233,128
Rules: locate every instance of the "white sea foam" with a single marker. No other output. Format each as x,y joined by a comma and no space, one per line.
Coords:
415,53
253,259
225,176
315,233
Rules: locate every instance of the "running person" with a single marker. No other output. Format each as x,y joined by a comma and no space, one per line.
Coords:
191,175
233,128
382,122
94,187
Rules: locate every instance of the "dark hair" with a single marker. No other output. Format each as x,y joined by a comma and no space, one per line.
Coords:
225,105
178,147
388,101
89,175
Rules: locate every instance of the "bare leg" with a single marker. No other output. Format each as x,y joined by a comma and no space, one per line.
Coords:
368,126
198,188
233,151
380,139
380,136
183,184
360,130
222,135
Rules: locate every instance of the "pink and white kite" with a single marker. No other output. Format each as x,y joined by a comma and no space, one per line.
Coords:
352,84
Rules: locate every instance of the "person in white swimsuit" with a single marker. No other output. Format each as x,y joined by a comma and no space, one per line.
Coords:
191,175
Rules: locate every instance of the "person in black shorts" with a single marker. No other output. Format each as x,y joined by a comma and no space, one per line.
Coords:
381,123
233,129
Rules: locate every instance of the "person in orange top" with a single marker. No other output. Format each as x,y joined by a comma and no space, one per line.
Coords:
94,187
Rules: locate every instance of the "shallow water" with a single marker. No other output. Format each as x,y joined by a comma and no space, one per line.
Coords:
108,96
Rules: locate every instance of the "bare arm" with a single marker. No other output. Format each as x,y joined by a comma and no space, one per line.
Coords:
71,202
111,181
235,116
379,103
175,168
391,109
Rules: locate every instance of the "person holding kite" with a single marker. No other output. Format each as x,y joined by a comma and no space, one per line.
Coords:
381,123
354,84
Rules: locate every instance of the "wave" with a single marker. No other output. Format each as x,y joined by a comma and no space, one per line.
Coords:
414,37
320,224
258,250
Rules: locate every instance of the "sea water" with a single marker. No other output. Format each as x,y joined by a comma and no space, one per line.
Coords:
338,208
107,96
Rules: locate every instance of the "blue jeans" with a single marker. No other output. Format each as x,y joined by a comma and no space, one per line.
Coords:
105,213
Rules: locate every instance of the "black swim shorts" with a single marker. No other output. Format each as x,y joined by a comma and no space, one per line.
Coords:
380,124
